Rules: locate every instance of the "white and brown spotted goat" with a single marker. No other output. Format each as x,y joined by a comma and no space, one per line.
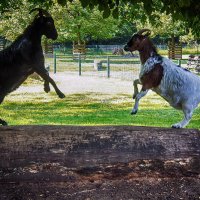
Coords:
178,86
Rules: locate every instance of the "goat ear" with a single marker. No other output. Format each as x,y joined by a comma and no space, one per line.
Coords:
40,13
147,33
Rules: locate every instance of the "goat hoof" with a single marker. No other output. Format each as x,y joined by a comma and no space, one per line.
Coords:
61,96
47,90
134,96
176,126
4,123
133,112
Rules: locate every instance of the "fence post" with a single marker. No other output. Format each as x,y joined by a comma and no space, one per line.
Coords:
108,67
179,62
79,63
54,68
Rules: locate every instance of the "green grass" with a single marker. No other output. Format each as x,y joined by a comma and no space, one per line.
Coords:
89,109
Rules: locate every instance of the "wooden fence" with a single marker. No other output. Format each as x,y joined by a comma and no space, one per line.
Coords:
174,50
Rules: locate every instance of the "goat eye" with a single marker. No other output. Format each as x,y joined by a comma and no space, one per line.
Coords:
49,23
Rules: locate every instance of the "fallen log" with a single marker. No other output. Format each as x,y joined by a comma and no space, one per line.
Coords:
120,162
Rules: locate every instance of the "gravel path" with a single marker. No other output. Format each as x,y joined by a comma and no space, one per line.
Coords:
70,83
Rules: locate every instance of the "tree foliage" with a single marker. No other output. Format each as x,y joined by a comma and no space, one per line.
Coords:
77,24
72,21
185,10
163,25
159,23
14,21
84,21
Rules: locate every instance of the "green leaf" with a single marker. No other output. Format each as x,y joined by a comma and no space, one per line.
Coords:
184,3
91,5
106,13
117,2
111,5
85,3
101,7
115,13
62,2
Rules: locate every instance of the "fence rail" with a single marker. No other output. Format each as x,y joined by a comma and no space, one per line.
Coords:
125,67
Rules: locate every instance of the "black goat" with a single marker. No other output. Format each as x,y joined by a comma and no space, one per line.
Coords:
25,56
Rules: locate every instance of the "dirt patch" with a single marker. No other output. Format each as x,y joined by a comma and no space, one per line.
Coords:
143,179
112,162
71,83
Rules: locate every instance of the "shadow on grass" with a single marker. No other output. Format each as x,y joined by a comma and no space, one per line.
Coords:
81,109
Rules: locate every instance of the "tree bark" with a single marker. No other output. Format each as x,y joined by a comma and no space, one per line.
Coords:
112,162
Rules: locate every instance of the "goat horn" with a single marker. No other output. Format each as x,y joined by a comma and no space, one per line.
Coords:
144,30
41,12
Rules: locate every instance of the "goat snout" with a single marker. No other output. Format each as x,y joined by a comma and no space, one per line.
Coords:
55,36
126,48
52,36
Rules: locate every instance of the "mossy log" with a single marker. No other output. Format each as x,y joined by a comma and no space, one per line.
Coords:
104,162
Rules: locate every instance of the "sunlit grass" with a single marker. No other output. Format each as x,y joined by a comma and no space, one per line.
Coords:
89,109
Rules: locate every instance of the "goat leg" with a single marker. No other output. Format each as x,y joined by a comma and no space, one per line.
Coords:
188,111
135,83
2,122
46,86
45,75
59,93
137,99
137,96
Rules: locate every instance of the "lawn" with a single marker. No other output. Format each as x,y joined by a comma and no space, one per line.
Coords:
89,109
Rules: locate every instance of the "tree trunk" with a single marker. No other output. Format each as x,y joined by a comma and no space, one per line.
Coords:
79,35
172,38
120,162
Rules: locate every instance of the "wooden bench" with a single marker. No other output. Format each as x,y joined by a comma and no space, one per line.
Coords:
79,51
174,50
